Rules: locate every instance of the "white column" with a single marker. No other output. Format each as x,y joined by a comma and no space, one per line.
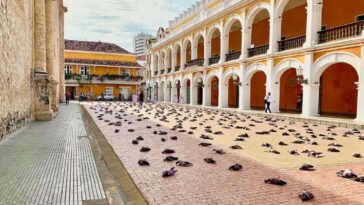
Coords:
173,92
193,93
247,37
272,86
205,44
223,90
193,49
152,64
314,21
206,93
183,57
160,92
311,94
241,86
360,107
174,59
272,34
223,44
243,36
165,91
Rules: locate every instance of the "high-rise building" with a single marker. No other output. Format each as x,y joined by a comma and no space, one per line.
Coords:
140,43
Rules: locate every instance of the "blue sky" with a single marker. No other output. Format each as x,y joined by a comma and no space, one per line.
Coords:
117,21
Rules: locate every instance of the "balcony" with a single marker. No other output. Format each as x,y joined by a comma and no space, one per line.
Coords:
214,60
292,43
177,68
169,70
260,50
233,55
341,32
162,72
196,62
103,79
155,72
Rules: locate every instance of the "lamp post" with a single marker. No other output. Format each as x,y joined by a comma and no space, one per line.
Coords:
300,77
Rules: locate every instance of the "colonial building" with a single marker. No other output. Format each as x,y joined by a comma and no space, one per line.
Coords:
230,53
31,41
96,68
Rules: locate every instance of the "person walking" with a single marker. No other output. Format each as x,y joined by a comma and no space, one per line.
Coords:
299,103
68,96
268,101
141,99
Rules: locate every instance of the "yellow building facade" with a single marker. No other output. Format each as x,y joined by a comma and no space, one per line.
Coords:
96,68
231,53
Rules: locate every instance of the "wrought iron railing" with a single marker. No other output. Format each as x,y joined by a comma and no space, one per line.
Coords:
258,50
162,72
177,68
196,62
341,32
233,55
214,60
169,70
292,43
155,72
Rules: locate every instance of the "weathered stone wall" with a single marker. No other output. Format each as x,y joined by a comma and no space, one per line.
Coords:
16,58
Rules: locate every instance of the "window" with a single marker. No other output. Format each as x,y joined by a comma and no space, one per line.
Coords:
67,69
125,72
109,91
84,70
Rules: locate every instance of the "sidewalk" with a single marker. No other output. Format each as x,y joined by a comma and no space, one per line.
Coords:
50,163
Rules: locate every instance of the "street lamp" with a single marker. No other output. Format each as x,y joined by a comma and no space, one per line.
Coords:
200,83
300,77
235,79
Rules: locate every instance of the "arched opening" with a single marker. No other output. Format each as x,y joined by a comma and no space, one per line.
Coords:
188,91
235,38
156,64
293,30
257,90
200,49
178,57
233,91
198,91
290,91
259,34
214,91
169,61
188,52
215,46
162,62
338,91
178,92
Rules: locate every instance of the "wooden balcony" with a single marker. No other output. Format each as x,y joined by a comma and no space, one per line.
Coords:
292,43
196,62
234,55
260,50
214,60
177,68
341,32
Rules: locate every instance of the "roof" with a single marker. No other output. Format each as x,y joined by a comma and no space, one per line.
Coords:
93,46
101,62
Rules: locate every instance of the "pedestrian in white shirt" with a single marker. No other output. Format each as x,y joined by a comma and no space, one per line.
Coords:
268,101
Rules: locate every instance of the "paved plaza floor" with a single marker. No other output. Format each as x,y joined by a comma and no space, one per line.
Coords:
49,163
205,183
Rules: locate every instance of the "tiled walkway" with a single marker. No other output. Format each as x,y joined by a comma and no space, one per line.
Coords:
49,163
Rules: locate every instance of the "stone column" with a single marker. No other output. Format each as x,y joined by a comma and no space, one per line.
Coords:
41,83
311,94
360,108
243,36
223,90
314,21
241,87
206,93
62,85
272,34
223,43
173,92
272,86
152,64
193,92
174,60
206,53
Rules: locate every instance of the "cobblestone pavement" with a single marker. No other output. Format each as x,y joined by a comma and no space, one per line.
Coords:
214,184
49,163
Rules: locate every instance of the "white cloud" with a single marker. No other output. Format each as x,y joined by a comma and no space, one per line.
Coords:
118,21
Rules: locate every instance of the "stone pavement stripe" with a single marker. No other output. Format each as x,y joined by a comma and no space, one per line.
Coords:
46,163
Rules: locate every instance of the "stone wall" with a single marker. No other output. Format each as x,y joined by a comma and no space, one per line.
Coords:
16,61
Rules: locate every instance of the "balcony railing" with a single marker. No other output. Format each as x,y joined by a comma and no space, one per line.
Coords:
291,43
155,72
102,78
162,72
177,68
341,32
233,55
214,60
258,50
196,62
169,70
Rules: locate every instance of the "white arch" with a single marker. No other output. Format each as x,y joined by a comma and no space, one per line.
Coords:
228,73
197,37
281,6
284,66
196,77
332,58
185,43
212,30
230,22
211,75
256,10
252,69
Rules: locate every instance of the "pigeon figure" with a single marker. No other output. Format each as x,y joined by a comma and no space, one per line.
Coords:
275,181
236,167
181,163
169,173
143,162
209,160
306,196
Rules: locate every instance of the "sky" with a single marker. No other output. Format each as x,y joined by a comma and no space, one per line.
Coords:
117,21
